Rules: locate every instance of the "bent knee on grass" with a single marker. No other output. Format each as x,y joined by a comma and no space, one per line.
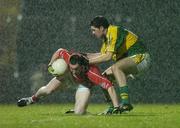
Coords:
80,109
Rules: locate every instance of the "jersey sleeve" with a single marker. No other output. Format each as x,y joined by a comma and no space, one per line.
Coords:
63,53
111,39
103,48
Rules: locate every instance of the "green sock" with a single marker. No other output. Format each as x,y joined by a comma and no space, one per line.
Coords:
123,92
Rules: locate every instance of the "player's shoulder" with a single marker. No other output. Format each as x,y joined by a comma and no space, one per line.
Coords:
112,28
111,33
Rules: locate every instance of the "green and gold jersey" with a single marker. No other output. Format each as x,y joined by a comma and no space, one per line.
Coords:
121,43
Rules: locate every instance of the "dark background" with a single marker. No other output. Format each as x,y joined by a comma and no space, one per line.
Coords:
43,26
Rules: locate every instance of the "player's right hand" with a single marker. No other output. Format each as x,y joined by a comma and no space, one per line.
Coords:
50,69
116,110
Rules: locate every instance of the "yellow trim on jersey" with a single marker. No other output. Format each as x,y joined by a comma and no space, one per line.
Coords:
138,58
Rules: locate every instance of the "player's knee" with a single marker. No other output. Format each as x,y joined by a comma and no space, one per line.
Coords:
114,68
117,68
48,92
79,111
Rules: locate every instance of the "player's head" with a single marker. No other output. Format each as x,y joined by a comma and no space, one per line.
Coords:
98,26
78,58
74,61
99,21
78,63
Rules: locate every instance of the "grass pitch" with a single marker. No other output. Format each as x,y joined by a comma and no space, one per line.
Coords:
52,116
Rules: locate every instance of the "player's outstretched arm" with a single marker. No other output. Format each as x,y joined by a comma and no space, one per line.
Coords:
52,86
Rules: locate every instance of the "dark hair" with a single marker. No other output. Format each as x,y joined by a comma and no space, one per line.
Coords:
78,59
74,59
99,21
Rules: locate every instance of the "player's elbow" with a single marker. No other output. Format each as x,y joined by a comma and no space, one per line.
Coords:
108,56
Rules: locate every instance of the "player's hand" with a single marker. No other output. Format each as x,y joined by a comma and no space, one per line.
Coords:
84,54
107,71
108,111
84,60
116,110
50,69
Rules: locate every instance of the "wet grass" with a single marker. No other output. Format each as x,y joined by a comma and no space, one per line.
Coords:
52,116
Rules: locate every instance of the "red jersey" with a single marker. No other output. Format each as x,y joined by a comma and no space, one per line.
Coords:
63,53
93,74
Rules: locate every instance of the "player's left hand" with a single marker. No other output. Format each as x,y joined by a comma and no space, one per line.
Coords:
84,60
107,71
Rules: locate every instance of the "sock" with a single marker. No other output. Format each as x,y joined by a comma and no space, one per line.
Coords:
123,92
34,98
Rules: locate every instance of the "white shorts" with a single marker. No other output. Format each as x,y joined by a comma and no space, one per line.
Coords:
145,63
82,88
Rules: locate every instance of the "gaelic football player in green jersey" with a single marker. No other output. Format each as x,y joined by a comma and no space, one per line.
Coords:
125,49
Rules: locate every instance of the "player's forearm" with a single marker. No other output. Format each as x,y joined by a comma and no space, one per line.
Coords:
91,55
100,58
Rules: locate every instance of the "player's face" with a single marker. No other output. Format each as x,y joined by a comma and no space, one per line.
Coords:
97,32
75,69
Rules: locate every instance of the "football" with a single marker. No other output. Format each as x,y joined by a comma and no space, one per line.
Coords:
59,67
